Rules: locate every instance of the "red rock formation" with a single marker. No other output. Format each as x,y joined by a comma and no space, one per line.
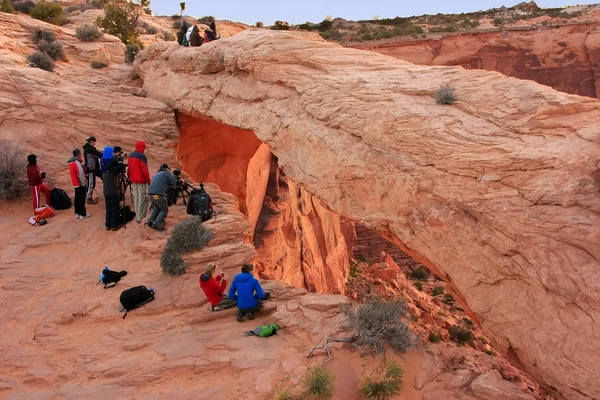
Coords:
497,194
563,57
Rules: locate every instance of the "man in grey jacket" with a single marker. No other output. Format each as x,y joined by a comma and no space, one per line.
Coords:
157,192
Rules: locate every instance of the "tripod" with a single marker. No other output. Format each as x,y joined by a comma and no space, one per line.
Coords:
124,183
184,188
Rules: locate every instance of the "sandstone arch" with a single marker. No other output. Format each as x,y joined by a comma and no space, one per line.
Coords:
499,193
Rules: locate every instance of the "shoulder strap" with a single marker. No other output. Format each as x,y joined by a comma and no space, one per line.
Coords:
108,287
126,311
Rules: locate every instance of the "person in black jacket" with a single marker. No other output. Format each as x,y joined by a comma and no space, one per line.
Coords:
91,159
111,169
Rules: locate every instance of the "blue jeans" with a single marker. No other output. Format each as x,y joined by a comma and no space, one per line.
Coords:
160,209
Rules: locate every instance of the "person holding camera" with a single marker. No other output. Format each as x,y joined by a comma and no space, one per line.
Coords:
140,179
157,193
111,168
36,181
91,158
214,289
78,180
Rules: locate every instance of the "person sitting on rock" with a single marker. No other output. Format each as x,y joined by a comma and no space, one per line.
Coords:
195,38
157,192
214,289
243,290
181,34
36,182
211,33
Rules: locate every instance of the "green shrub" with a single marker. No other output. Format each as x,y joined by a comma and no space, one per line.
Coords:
318,383
7,7
469,322
152,30
169,36
445,95
437,291
376,322
419,286
383,387
206,20
88,32
448,299
23,6
460,335
259,24
47,12
489,352
13,180
419,274
53,49
433,338
187,235
498,21
367,36
98,64
121,19
43,34
131,50
284,394
281,26
41,60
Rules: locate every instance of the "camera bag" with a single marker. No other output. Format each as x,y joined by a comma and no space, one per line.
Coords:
135,297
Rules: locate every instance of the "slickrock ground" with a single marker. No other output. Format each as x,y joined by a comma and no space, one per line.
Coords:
497,194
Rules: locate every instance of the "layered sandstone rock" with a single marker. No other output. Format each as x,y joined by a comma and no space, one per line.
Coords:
563,57
497,194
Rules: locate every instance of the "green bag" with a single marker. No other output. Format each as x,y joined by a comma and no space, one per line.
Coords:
264,331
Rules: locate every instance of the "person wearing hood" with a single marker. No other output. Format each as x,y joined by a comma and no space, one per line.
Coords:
181,34
140,179
78,180
91,159
211,33
195,38
246,290
214,289
157,192
111,168
36,177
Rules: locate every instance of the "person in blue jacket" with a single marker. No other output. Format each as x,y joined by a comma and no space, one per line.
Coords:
243,290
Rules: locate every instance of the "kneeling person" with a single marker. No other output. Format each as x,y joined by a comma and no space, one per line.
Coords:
243,290
214,289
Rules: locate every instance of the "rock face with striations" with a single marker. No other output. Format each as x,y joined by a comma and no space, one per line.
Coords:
497,194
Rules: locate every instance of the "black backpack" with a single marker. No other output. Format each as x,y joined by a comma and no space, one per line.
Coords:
200,204
135,297
126,215
171,196
59,199
109,276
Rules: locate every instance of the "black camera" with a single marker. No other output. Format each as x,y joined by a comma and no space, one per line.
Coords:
177,172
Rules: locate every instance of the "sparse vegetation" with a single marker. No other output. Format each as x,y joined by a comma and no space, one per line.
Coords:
121,20
52,49
383,386
281,26
460,335
187,235
152,30
6,7
259,24
43,34
177,24
13,180
419,274
469,322
131,50
41,60
47,12
284,394
88,32
98,64
445,95
206,20
433,338
437,291
490,352
169,36
354,270
419,286
23,6
318,383
448,299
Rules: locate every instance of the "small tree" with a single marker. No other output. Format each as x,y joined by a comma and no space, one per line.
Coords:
281,26
7,7
121,19
259,24
47,12
182,6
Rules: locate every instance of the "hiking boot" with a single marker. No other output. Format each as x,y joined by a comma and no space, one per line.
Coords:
107,228
239,317
251,316
91,201
117,228
157,227
148,224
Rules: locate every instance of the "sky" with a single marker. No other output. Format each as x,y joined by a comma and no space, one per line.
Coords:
296,12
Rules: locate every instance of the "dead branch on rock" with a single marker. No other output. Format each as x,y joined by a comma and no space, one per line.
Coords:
327,341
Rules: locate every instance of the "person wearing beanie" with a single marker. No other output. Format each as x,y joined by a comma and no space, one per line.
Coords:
78,180
157,192
246,290
36,181
91,159
140,179
214,289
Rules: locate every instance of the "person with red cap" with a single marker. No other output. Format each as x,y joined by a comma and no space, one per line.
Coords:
78,180
140,179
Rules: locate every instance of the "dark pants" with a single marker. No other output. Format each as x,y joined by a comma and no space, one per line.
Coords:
80,201
160,209
91,184
225,303
243,311
112,211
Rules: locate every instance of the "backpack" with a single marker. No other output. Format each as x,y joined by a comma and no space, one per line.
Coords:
264,331
59,199
200,204
126,215
109,276
135,297
171,196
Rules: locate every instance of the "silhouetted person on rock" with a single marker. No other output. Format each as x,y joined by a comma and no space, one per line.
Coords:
243,289
36,181
214,289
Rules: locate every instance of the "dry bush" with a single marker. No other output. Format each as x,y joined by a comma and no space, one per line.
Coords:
53,49
131,50
169,36
13,176
41,60
88,32
445,95
43,34
98,64
187,235
23,6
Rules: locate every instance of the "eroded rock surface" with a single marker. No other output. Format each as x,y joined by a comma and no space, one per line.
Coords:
497,194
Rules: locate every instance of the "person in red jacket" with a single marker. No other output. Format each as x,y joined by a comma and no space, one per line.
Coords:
214,289
36,181
78,180
140,178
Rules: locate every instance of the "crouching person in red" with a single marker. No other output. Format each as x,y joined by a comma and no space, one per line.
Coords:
214,289
36,182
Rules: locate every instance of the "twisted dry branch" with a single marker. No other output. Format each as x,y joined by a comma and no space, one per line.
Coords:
327,341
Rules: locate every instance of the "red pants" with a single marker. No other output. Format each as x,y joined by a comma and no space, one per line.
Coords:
35,193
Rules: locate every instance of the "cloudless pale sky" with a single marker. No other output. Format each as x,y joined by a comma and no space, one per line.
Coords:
295,12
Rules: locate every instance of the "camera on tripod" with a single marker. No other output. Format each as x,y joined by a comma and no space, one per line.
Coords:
177,172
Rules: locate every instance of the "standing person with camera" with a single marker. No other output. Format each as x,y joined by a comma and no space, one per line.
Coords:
78,180
140,179
36,181
111,169
214,289
157,192
91,158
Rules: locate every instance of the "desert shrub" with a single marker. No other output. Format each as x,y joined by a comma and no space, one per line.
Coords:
88,32
460,335
187,235
419,286
43,34
433,338
152,30
177,24
169,36
437,291
281,26
419,274
384,386
259,24
23,6
318,383
469,322
13,179
498,21
206,20
98,64
47,12
445,95
53,49
284,394
121,19
448,299
489,352
131,50
376,322
41,60
7,7
175,16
